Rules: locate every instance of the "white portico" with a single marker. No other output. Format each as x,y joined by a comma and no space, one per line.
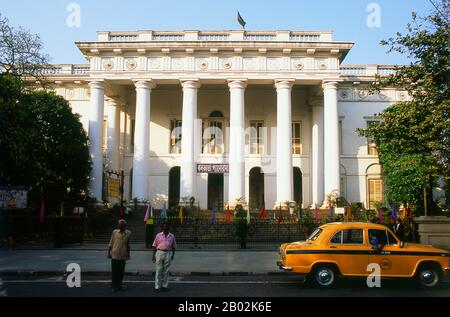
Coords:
220,115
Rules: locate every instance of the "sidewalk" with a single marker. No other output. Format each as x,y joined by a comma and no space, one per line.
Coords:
42,262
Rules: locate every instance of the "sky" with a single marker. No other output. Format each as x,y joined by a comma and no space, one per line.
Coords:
347,18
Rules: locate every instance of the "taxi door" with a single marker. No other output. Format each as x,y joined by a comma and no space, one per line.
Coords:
390,258
349,249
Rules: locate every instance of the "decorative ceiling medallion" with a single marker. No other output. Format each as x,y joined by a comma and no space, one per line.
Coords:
108,64
202,64
227,64
323,66
131,64
363,94
70,93
345,94
299,66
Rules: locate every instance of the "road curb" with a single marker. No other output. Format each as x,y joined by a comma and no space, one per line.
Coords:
137,273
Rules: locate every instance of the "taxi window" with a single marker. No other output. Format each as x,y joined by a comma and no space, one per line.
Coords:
337,238
381,235
315,234
350,236
353,236
391,239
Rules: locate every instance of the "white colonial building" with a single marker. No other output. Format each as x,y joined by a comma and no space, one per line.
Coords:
218,115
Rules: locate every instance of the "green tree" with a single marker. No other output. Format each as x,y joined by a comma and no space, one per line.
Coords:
43,145
413,136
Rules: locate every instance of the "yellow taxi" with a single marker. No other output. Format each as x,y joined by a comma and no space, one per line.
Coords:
351,249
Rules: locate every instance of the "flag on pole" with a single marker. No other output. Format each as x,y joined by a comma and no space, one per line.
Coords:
164,213
248,216
181,216
42,212
263,213
228,215
147,214
380,215
410,214
394,211
241,20
61,214
213,216
78,214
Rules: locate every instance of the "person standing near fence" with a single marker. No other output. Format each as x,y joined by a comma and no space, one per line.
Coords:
119,252
164,247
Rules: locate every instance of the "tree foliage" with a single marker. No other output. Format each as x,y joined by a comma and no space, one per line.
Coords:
413,137
21,53
43,144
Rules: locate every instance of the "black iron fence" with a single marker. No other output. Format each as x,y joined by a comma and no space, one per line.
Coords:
55,230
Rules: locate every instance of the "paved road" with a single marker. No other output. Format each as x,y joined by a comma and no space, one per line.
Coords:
213,286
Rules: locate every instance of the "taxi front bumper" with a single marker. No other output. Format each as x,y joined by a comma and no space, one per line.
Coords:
284,268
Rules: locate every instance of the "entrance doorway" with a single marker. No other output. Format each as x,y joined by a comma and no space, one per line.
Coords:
298,186
174,186
215,191
256,189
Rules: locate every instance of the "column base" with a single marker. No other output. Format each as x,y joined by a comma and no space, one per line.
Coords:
232,204
284,206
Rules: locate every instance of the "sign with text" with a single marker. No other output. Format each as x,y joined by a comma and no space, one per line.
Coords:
113,187
213,168
13,197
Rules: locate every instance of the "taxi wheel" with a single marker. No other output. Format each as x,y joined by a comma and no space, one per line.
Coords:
324,276
428,276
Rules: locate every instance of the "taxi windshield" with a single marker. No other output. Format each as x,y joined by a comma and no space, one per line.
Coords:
315,234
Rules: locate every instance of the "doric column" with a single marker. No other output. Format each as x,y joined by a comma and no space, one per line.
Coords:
113,135
285,190
318,193
331,138
188,182
236,178
96,138
142,140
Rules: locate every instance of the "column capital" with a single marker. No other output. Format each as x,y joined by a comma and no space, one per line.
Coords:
284,83
97,84
190,83
237,83
330,84
112,101
316,101
144,84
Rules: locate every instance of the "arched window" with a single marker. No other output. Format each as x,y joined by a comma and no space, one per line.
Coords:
216,114
374,185
213,133
174,186
298,185
256,190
